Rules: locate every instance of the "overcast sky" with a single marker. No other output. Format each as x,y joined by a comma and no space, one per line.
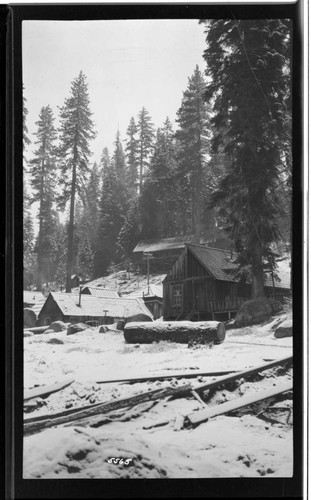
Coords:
128,65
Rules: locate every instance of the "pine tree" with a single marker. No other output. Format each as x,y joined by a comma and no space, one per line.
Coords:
77,130
59,256
193,135
145,143
87,225
28,229
159,195
132,155
129,232
42,170
105,162
110,222
248,65
28,242
26,140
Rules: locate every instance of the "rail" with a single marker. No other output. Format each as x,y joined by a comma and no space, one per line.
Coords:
225,305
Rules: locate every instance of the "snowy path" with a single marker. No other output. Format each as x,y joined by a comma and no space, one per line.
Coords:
226,446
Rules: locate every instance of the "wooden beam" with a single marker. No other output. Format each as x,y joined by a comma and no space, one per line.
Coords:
242,374
45,390
81,413
166,377
204,415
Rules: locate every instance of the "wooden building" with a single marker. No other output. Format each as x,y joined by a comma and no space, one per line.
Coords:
202,285
152,296
159,255
72,308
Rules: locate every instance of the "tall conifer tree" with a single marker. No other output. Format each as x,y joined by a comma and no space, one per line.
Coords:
248,64
193,135
42,170
77,130
132,155
145,143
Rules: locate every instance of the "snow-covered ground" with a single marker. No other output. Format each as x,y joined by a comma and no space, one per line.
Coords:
226,446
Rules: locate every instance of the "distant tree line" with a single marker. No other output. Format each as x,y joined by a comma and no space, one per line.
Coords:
226,164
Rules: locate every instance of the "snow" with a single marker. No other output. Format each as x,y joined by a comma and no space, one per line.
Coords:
226,446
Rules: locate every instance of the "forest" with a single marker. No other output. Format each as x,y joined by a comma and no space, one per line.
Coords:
225,163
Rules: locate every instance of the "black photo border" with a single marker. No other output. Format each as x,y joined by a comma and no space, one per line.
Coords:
142,488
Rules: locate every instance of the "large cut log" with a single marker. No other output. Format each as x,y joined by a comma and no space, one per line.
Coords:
204,415
175,331
82,414
45,390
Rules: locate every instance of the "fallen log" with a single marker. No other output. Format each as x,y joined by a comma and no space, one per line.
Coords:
242,374
204,415
37,329
258,343
182,332
123,415
166,377
45,390
84,413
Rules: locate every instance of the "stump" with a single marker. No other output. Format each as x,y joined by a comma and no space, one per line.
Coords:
201,332
30,318
285,329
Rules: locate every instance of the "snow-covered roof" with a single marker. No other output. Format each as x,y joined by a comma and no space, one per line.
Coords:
103,282
101,292
33,297
221,265
96,306
163,244
175,243
154,291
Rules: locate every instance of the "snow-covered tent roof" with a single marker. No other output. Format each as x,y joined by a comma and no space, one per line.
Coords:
98,306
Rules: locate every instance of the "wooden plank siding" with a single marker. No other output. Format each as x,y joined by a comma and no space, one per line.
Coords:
201,293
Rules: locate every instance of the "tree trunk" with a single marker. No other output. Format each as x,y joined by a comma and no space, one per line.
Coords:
256,197
40,256
71,230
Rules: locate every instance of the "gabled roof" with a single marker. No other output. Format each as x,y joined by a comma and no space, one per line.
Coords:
101,292
154,291
96,306
217,262
221,265
177,242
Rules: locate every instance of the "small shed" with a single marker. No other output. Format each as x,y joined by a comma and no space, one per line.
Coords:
74,281
152,296
33,302
72,308
202,285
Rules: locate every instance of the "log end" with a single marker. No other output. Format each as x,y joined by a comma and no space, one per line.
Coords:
220,334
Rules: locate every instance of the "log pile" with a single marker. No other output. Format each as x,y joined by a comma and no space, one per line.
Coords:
201,332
